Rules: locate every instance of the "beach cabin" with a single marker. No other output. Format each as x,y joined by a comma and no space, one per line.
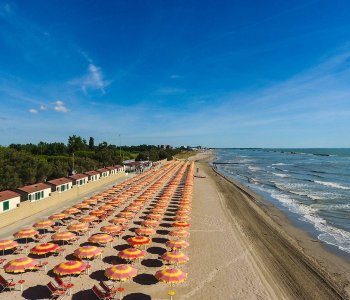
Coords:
119,168
93,175
61,184
9,200
34,192
132,166
104,172
112,170
79,179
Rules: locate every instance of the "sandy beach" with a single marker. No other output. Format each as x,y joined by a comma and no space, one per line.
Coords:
237,251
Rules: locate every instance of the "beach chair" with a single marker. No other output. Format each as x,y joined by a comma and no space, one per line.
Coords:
101,295
6,284
56,293
108,289
61,284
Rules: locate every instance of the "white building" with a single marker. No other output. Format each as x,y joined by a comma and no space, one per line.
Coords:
9,200
35,192
104,172
93,175
79,179
61,184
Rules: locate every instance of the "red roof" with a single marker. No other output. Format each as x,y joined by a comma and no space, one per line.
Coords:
5,195
118,166
102,170
90,173
34,188
133,163
78,176
111,168
60,181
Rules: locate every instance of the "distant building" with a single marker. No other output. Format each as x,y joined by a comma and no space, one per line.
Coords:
104,172
61,184
132,166
79,179
9,200
34,192
93,175
165,147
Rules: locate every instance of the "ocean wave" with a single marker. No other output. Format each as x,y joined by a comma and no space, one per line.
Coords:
281,175
254,169
281,164
329,234
332,184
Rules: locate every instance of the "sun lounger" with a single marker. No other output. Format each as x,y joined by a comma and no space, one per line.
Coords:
101,295
56,293
6,284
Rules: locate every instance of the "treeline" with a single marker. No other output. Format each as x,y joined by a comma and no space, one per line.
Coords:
23,164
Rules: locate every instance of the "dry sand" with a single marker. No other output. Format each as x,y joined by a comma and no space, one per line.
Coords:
235,252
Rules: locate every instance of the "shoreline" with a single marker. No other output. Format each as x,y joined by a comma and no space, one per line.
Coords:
328,269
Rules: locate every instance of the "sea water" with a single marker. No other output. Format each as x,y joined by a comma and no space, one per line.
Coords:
311,185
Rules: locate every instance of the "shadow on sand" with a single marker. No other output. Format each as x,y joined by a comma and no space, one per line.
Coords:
145,279
137,296
34,292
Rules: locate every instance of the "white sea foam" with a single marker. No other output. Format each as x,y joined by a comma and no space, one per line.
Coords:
281,175
332,184
254,169
281,164
329,234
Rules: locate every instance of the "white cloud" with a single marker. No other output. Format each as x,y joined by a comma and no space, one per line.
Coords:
43,107
60,107
93,80
33,111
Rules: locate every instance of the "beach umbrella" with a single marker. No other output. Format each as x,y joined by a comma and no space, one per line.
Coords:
120,272
43,249
111,229
78,227
150,223
179,233
63,236
118,220
182,218
131,254
87,219
81,205
106,207
71,211
21,265
7,244
100,238
126,214
145,231
58,216
132,209
139,241
26,233
171,276
181,224
87,252
43,224
97,213
72,267
175,257
179,244
90,201
154,216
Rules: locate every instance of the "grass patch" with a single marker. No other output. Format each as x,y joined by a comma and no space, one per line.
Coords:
185,154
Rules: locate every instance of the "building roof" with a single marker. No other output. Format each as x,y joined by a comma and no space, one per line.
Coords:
60,181
112,168
133,163
7,194
78,176
118,166
102,170
34,188
90,173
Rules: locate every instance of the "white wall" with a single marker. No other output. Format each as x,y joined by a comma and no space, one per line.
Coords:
12,203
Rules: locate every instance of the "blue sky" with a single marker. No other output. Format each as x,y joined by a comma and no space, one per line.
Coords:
214,73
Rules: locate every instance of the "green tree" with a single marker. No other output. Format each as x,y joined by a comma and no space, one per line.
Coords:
76,143
91,143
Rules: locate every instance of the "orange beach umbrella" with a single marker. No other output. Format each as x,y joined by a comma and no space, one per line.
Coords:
138,241
179,244
145,231
171,276
100,238
181,224
87,252
43,249
175,257
131,254
43,224
20,265
120,272
7,244
69,268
